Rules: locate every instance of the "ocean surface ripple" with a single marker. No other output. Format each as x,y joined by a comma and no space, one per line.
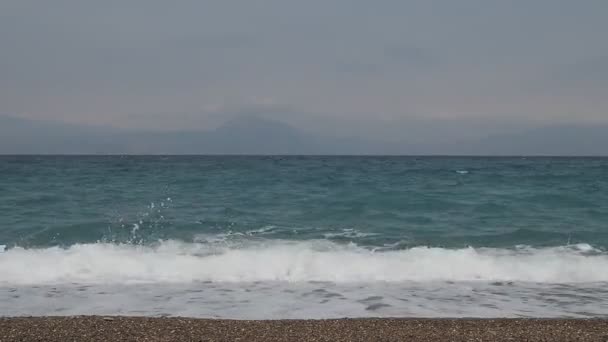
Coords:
304,237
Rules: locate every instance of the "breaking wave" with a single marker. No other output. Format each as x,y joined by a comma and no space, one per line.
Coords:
289,261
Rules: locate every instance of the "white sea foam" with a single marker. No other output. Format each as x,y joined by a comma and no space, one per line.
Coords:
296,262
349,233
233,237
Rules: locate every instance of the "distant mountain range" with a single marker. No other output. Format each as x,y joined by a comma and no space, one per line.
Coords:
255,135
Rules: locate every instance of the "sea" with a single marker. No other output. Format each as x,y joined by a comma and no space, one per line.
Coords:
290,237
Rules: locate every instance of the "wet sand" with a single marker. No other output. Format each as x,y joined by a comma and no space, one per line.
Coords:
186,329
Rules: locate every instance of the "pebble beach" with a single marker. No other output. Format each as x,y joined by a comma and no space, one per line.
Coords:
96,328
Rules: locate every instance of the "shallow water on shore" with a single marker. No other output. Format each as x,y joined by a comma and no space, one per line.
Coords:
280,300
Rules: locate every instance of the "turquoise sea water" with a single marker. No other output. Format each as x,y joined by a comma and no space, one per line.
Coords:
303,236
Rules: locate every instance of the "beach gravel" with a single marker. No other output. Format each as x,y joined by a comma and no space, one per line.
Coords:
185,329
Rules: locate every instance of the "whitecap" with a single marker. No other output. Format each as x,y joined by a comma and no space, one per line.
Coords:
290,261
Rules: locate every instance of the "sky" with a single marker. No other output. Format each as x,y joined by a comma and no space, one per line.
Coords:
365,67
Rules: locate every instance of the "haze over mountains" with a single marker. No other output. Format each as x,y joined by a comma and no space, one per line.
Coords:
256,135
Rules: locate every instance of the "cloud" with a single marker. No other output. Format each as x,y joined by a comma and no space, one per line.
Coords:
410,55
389,59
93,62
591,72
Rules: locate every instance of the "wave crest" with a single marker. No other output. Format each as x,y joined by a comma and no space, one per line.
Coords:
178,262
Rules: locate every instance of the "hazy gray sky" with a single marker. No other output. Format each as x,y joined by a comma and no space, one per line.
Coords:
186,63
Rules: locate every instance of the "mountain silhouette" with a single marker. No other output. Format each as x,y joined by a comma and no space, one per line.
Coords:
252,135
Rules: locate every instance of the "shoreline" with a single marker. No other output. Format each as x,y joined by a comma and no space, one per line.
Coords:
121,328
